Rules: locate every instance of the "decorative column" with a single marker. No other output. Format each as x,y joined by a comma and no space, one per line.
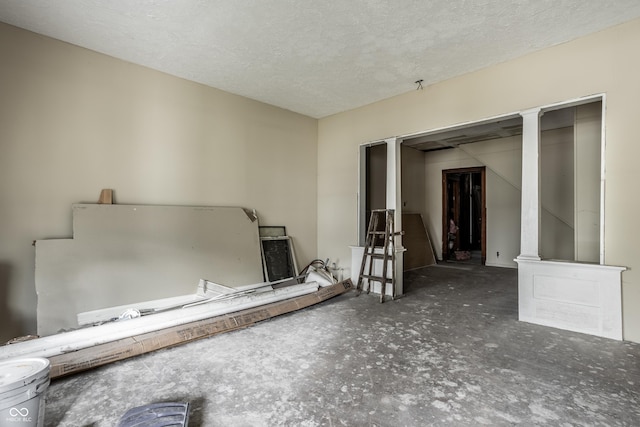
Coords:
530,206
394,201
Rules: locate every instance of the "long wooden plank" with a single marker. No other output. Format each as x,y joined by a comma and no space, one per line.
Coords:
92,357
54,345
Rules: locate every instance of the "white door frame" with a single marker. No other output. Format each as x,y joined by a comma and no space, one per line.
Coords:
393,201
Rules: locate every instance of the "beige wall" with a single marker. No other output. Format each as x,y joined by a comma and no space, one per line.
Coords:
74,121
599,63
588,125
557,194
413,181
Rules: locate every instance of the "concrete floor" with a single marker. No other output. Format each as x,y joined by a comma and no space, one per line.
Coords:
451,352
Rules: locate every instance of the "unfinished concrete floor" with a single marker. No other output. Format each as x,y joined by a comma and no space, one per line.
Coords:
451,352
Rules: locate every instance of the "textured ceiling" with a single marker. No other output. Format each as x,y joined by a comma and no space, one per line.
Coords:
316,57
493,129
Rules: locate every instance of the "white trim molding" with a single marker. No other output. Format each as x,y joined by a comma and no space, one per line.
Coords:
393,201
578,297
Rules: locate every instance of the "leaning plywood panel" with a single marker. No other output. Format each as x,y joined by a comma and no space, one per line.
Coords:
419,252
121,254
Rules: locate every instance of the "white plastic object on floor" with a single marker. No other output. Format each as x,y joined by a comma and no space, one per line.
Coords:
23,385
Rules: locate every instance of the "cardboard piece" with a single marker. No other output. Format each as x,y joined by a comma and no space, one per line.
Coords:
91,357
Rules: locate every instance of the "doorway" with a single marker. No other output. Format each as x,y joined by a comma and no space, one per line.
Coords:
373,184
464,215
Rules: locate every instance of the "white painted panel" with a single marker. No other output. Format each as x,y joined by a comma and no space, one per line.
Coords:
567,290
578,297
571,316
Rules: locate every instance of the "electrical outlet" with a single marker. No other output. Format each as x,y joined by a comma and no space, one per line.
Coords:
498,254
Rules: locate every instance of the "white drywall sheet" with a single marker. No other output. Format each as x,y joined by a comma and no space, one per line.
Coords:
122,254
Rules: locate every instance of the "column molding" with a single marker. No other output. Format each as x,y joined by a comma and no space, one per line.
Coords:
394,196
530,205
394,201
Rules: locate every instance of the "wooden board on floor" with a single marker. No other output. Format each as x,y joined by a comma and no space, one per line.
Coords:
92,357
419,252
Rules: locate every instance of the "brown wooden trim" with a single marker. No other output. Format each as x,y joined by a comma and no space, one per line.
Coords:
464,170
483,230
445,209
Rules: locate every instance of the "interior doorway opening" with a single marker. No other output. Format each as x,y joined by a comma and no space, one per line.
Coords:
463,215
537,170
373,184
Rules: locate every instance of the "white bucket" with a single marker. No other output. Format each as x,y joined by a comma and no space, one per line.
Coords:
23,383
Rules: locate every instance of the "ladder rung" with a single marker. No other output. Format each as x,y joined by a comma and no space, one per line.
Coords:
379,278
397,233
374,236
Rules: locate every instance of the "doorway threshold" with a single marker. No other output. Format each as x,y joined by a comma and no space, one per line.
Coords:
456,266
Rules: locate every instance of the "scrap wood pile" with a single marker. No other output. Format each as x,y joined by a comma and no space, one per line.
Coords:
148,243
212,310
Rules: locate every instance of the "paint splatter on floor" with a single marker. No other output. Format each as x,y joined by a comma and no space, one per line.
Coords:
450,352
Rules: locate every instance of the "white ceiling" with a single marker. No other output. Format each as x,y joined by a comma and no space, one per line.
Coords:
316,57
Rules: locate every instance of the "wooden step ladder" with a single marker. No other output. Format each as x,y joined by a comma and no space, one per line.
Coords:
374,235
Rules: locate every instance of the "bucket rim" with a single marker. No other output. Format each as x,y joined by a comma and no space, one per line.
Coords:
18,373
